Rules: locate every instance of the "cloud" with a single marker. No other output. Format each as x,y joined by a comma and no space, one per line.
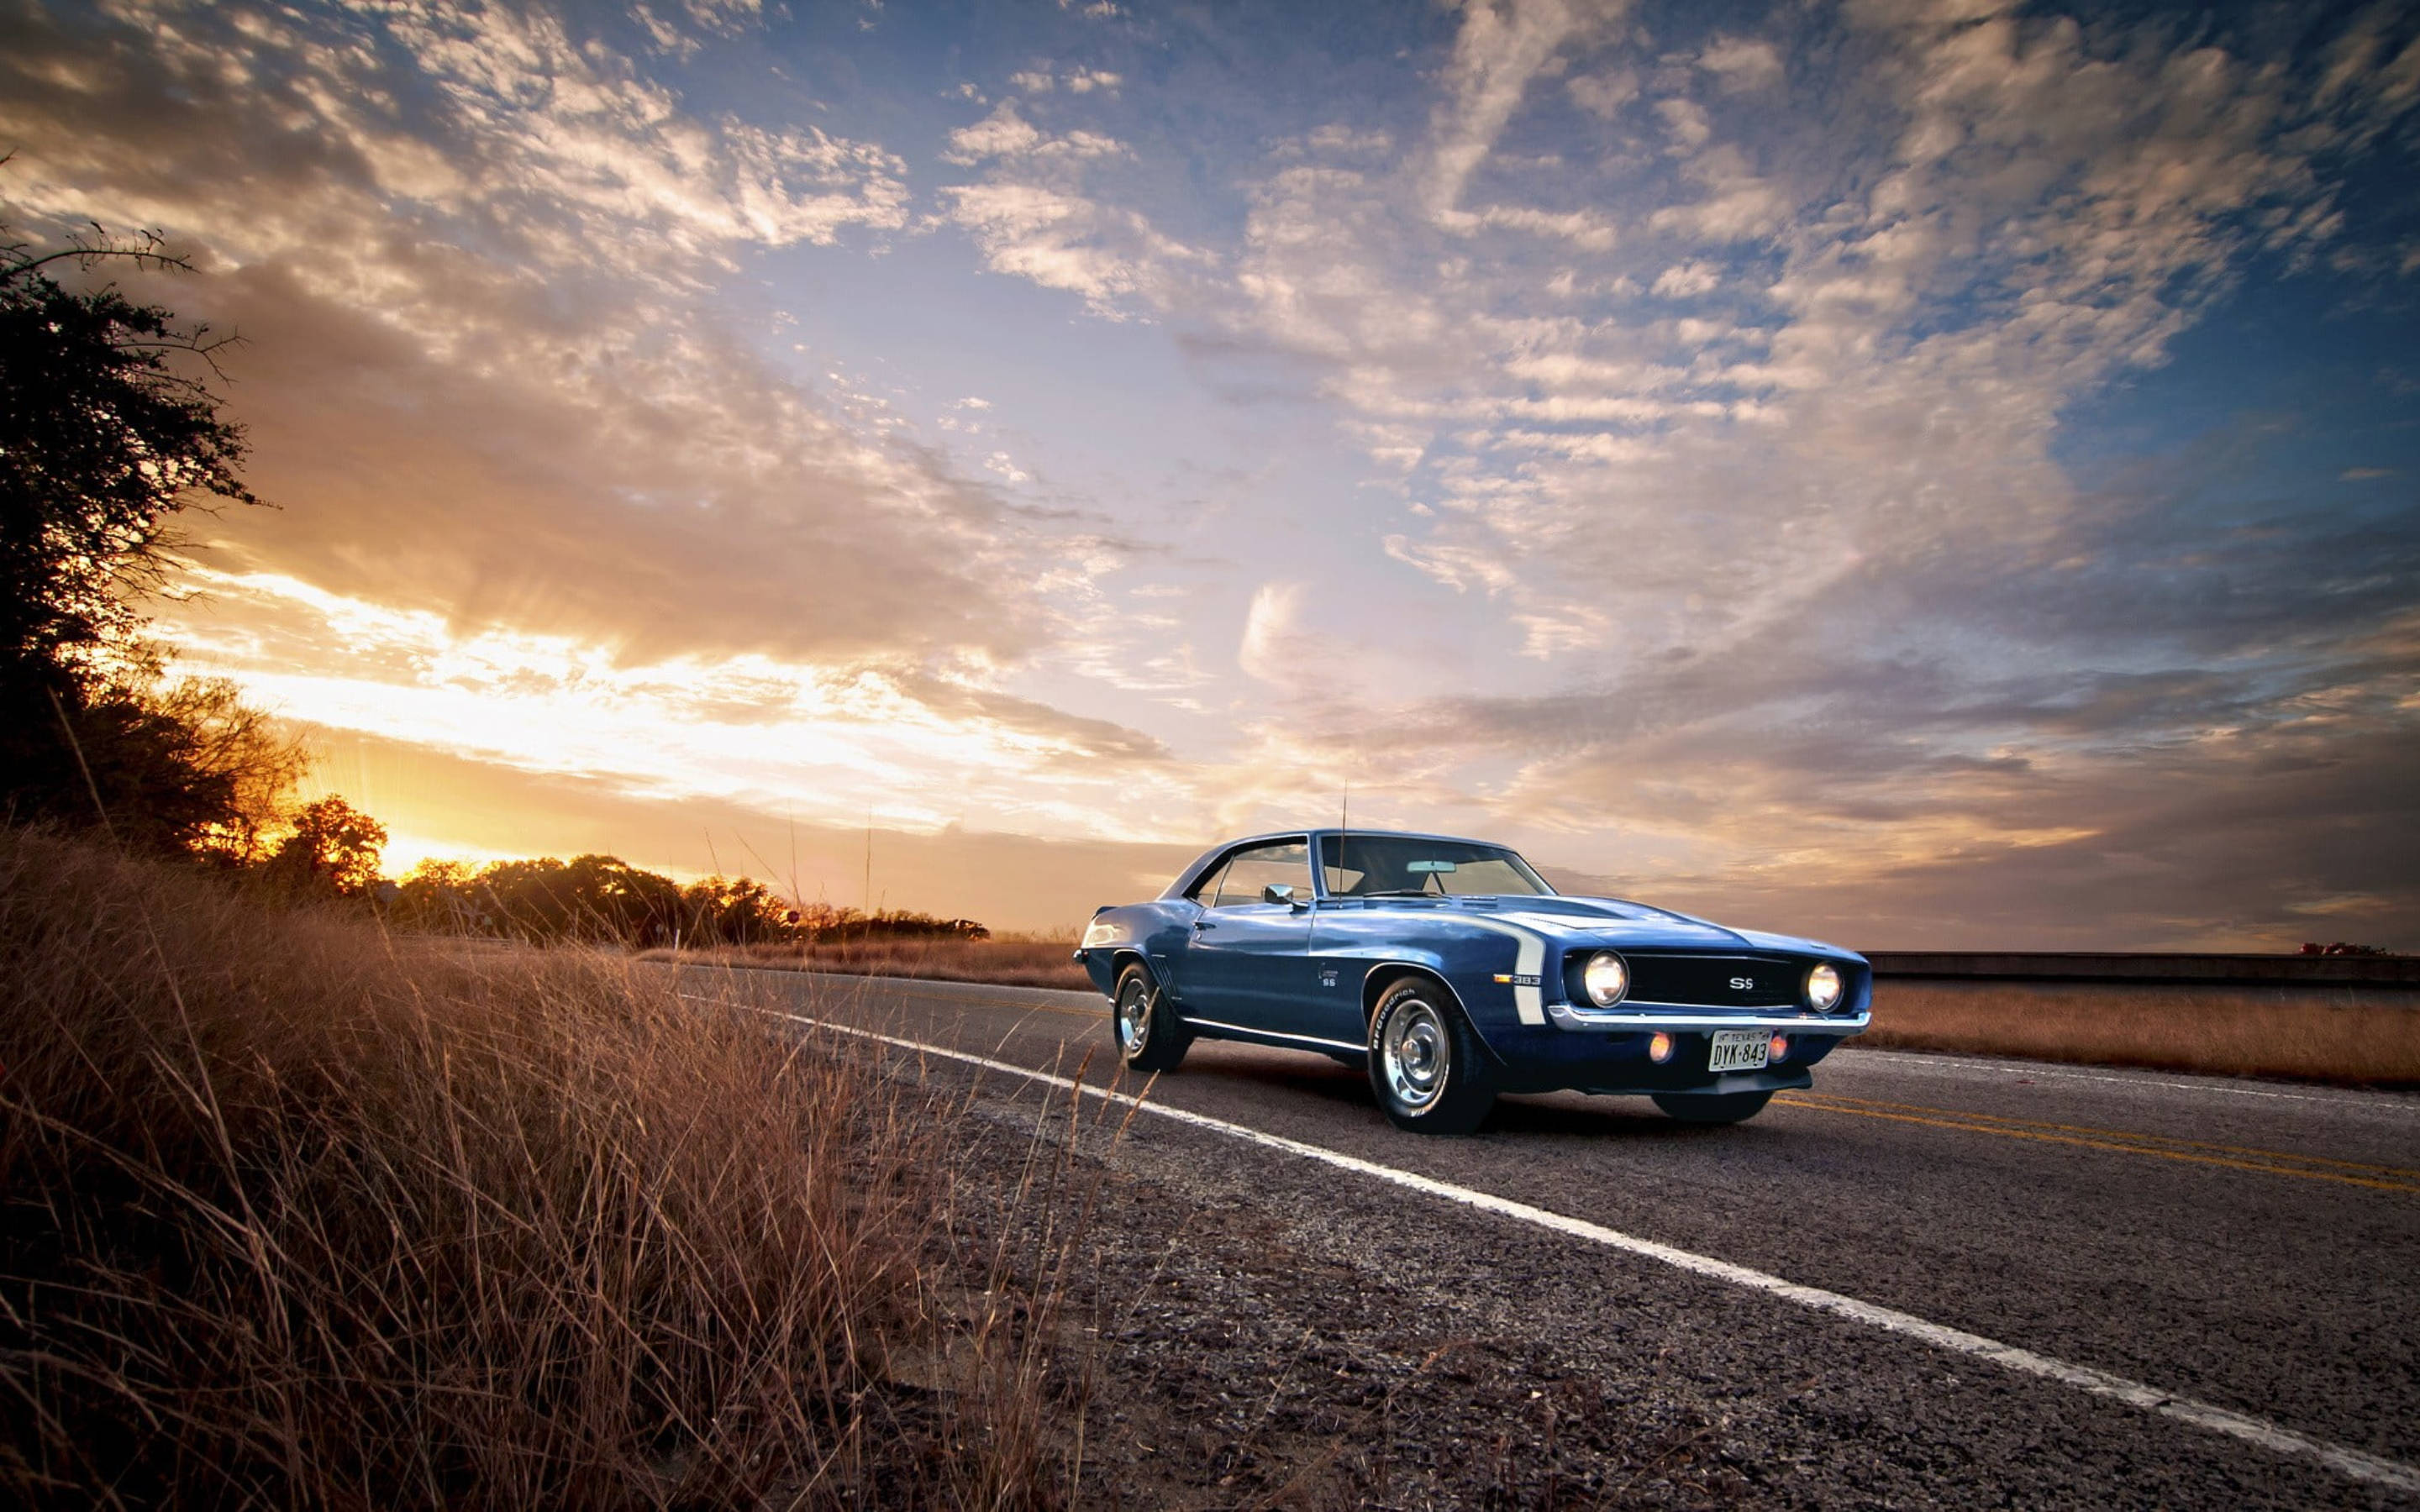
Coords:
1742,63
1502,46
1075,81
1583,228
1685,279
822,740
1059,239
1003,133
1274,646
1032,215
1604,94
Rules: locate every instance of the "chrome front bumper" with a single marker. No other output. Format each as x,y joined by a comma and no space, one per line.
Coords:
1681,1017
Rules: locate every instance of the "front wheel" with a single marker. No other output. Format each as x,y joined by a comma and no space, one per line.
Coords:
1424,1062
1699,1107
1149,1037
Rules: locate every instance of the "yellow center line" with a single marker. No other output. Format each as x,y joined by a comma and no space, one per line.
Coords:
2105,1144
2400,1172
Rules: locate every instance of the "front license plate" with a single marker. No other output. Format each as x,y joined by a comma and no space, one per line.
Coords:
1739,1050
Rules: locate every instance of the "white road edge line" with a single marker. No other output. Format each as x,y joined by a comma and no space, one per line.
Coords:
2349,1462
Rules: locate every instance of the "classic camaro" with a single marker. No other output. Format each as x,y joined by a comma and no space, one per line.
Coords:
1453,972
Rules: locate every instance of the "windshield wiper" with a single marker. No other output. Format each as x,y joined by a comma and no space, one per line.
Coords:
1400,892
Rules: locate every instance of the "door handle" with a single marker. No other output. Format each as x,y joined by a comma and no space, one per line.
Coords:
1205,923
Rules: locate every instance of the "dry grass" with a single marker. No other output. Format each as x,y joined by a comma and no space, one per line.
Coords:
2332,1035
1015,962
295,1215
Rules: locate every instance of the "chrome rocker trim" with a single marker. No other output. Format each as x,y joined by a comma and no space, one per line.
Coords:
1240,1029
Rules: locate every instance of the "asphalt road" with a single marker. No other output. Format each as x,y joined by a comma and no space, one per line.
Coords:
2253,1247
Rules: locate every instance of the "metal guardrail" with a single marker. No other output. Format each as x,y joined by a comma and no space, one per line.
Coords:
2392,972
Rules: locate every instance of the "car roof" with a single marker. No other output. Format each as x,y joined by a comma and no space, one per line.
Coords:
1194,869
1318,831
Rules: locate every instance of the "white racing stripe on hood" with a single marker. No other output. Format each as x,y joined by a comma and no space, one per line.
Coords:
1528,1000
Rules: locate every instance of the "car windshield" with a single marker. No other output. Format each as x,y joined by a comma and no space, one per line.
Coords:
1369,866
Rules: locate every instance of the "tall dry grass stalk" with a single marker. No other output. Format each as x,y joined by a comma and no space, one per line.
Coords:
299,1215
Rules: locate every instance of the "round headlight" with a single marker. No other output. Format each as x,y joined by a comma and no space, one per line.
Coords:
1823,989
1607,977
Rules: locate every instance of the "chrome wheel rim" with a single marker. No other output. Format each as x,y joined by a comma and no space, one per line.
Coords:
1416,1055
1134,1017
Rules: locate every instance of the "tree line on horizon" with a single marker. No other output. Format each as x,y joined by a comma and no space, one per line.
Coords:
107,434
335,851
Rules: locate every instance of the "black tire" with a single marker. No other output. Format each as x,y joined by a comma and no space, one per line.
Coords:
1148,1035
1702,1108
1425,1064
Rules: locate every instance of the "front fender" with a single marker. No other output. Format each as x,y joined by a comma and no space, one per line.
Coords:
1492,973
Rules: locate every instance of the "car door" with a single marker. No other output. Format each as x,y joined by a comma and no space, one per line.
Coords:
1248,963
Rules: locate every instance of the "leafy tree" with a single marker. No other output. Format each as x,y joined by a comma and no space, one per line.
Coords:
101,442
587,898
733,911
334,848
442,896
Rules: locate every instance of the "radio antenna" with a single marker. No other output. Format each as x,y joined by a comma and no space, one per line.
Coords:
1343,827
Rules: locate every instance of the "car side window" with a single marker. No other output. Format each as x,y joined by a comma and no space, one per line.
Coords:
1287,864
1205,891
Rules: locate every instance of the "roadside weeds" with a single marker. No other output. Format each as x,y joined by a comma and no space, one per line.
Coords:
293,1212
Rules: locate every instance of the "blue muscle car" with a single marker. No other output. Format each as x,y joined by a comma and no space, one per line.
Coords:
1453,972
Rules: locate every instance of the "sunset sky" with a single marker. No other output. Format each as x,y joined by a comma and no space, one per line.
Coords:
1914,474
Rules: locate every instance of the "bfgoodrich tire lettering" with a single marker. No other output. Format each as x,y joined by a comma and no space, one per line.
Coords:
1148,1035
1731,1107
1425,1064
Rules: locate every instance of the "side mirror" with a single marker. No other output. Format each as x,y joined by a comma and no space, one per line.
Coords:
1276,893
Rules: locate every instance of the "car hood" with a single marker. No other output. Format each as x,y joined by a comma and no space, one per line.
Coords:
1618,921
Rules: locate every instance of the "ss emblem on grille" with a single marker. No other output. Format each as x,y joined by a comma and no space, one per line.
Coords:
1743,984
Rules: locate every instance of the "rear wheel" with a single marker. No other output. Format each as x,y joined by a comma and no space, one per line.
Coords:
1149,1035
1700,1107
1424,1062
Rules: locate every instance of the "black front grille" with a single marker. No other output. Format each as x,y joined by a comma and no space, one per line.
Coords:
1705,980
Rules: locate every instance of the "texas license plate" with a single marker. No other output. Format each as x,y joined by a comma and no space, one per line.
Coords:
1739,1050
